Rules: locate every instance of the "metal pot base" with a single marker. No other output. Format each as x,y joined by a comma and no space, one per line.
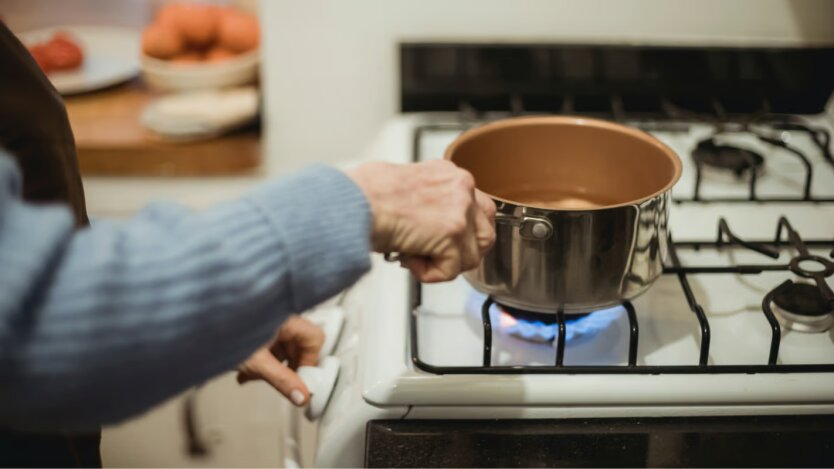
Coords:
554,308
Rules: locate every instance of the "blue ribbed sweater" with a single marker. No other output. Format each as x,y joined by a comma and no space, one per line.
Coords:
99,324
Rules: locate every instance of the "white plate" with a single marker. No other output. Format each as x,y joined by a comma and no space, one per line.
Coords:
111,56
200,115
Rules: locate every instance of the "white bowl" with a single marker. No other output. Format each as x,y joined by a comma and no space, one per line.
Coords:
171,76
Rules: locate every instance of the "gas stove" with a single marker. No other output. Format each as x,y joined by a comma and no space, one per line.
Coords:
736,328
734,339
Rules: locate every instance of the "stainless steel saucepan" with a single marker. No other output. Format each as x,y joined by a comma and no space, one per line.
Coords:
583,208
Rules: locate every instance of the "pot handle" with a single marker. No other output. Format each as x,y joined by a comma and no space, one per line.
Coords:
529,227
393,256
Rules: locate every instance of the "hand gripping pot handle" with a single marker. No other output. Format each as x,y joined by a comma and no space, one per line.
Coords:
529,227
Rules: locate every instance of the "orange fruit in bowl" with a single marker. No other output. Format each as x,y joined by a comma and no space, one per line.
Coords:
238,31
162,41
198,24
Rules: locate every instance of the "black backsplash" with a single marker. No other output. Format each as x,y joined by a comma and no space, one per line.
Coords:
637,79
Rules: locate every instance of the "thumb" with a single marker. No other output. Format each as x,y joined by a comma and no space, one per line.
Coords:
279,376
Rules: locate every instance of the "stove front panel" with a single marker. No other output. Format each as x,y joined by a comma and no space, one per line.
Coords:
785,441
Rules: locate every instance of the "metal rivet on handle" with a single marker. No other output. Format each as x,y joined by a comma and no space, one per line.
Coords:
540,230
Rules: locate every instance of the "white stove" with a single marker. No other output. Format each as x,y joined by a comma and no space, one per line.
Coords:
416,352
732,345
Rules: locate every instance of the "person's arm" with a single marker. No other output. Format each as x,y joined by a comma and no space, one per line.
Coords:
430,213
99,324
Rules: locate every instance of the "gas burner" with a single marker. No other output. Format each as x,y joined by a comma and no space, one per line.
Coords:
801,307
520,324
727,157
542,327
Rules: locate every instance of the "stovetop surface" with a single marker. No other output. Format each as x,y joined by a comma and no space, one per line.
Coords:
450,332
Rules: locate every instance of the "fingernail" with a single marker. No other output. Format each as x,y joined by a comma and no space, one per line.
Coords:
297,397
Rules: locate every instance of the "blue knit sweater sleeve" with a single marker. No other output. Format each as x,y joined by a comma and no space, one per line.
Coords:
99,324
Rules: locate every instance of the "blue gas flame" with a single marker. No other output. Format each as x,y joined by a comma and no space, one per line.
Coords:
537,331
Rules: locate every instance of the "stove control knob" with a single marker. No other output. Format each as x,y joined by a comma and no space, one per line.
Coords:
321,381
330,319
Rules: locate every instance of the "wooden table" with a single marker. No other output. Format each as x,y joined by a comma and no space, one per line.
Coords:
111,141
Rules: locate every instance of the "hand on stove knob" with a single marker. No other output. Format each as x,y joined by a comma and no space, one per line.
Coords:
430,213
297,344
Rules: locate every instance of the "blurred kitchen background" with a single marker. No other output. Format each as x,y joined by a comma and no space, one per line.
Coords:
322,82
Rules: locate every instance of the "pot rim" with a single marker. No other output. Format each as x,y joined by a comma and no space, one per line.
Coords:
576,121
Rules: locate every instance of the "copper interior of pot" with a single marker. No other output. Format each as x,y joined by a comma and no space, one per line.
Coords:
565,163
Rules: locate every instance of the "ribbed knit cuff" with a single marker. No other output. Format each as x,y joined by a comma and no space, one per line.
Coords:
325,222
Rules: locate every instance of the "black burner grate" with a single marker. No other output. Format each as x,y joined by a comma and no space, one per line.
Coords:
725,239
820,137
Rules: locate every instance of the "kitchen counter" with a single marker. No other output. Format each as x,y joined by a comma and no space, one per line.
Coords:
111,141
124,166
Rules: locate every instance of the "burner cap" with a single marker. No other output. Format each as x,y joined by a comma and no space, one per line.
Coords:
544,318
727,157
802,299
801,307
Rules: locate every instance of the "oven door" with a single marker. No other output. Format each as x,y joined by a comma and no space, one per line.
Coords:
783,441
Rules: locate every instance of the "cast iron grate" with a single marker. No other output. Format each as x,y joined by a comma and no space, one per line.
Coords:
725,238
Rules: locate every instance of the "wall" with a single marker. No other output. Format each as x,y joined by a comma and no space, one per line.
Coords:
23,15
331,74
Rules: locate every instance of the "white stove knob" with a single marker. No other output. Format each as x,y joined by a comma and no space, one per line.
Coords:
321,381
330,319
